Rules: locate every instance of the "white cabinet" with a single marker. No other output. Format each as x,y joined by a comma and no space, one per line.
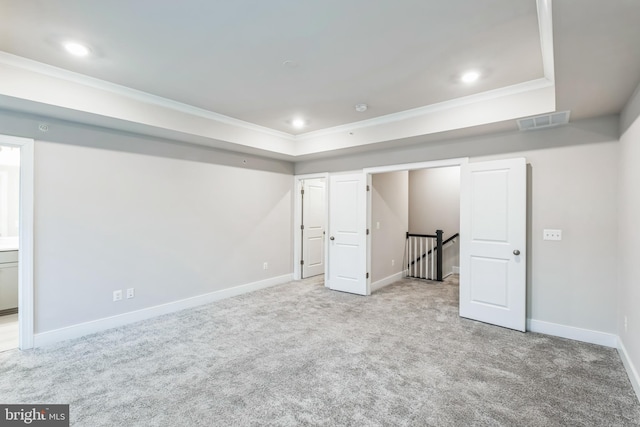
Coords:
8,280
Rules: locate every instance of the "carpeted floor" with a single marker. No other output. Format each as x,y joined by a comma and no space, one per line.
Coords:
299,354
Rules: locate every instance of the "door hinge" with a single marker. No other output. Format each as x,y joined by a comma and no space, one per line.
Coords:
367,231
302,191
368,189
302,227
301,262
367,275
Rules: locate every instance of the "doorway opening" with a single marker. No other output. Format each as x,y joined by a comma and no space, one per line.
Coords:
9,245
16,241
416,203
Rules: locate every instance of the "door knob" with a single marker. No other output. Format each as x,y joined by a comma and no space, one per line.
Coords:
332,238
516,252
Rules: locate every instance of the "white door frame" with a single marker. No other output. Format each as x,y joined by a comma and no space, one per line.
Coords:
297,220
25,253
399,168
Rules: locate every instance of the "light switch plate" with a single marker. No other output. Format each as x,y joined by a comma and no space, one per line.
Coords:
549,234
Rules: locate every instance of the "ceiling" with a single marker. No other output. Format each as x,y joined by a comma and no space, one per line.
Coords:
235,74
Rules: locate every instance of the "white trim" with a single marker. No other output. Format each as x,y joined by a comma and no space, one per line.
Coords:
546,36
92,82
545,29
25,253
529,86
82,329
573,333
632,372
379,284
368,178
421,165
297,221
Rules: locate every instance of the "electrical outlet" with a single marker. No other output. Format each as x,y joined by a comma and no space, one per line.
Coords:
117,295
625,324
393,262
548,234
377,225
131,293
265,266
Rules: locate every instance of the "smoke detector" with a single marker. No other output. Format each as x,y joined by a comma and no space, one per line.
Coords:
361,108
544,121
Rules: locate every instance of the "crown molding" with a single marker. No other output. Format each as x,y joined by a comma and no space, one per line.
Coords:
323,139
432,108
81,79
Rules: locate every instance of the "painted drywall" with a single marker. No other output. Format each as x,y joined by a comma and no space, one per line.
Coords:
170,228
573,186
389,222
434,204
629,250
434,200
630,112
27,126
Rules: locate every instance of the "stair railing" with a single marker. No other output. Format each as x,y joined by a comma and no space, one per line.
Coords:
419,248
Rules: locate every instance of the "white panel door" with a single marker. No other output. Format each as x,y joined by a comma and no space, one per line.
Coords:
493,242
347,233
313,219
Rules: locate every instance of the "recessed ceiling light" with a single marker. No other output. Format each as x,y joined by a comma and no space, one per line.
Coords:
470,76
76,49
298,123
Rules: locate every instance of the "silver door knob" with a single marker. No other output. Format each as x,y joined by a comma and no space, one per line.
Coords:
516,252
332,238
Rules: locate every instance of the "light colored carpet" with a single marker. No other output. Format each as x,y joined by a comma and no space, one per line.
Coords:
298,354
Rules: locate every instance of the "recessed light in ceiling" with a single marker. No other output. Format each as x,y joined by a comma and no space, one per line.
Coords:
76,49
470,76
361,108
298,123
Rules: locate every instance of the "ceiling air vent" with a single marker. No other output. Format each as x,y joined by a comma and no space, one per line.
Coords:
544,121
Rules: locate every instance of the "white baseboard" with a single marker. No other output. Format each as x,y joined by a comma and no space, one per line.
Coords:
573,333
82,329
455,270
379,284
632,372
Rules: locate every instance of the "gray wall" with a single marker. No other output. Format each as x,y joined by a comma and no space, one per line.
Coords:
573,185
434,200
390,209
115,210
629,237
434,203
173,229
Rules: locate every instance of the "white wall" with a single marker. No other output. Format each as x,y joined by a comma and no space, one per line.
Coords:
171,228
389,210
573,185
629,238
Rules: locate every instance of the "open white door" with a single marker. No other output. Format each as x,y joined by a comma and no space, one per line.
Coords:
347,233
313,227
493,242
